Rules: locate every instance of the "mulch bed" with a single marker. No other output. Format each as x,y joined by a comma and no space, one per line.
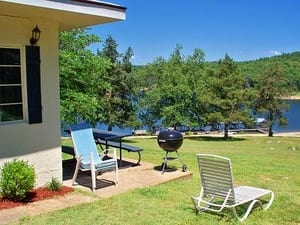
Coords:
37,194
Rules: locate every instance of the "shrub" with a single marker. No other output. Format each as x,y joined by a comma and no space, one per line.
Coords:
17,178
54,185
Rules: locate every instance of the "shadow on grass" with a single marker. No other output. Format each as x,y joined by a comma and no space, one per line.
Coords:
128,141
211,138
195,138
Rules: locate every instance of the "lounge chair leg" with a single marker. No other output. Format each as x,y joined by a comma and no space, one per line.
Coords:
117,175
252,205
75,172
247,212
270,201
93,173
195,205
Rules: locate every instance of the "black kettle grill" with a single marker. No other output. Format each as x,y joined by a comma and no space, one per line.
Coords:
170,141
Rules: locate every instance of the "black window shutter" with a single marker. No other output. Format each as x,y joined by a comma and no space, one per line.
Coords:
33,77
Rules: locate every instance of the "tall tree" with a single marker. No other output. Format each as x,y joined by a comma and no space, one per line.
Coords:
229,95
272,88
196,72
146,80
81,75
117,103
168,89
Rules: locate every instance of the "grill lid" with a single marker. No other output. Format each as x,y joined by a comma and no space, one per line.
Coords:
170,140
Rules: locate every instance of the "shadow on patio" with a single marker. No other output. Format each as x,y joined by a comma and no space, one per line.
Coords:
130,177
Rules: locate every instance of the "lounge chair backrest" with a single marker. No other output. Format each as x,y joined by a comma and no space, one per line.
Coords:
216,176
84,143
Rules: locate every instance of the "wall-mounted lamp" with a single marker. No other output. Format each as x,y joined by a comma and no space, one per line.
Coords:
35,35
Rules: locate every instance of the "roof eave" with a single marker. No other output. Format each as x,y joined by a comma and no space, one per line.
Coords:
67,13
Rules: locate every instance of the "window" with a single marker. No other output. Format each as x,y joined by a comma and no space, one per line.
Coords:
12,85
11,89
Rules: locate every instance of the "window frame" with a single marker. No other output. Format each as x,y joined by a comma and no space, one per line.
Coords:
22,84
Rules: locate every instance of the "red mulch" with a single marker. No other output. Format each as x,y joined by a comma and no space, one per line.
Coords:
35,195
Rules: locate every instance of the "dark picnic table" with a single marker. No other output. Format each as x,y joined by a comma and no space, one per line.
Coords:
109,139
114,139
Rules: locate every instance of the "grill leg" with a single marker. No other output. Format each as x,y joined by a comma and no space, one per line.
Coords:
184,166
164,163
179,158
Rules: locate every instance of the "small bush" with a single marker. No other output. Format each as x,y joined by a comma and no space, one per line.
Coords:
54,185
17,178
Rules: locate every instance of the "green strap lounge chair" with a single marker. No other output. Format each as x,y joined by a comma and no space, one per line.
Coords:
217,191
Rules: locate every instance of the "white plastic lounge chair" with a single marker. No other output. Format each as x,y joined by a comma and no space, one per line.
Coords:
217,191
87,156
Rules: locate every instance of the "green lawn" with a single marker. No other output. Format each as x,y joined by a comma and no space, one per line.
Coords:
272,163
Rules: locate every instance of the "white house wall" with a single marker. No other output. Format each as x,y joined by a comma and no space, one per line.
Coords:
38,143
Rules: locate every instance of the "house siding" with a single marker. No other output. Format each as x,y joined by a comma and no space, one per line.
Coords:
40,143
37,143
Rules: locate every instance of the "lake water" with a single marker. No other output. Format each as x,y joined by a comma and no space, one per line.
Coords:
293,116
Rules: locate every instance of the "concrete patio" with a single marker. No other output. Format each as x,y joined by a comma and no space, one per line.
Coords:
130,178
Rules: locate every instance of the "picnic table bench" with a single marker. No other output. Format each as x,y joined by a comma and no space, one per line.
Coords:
68,150
126,147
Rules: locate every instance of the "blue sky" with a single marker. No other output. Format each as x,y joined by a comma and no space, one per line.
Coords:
245,30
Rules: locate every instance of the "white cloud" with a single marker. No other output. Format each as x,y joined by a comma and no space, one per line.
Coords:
275,52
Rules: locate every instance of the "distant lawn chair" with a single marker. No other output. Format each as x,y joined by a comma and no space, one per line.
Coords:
217,191
87,155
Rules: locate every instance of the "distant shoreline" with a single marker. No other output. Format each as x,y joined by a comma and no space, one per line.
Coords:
295,97
231,134
275,134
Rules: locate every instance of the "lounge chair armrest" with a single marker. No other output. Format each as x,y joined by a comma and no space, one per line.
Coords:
109,152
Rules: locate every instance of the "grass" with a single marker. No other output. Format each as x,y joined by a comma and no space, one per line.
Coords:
272,163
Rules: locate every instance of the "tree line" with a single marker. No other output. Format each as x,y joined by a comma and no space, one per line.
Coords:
104,86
